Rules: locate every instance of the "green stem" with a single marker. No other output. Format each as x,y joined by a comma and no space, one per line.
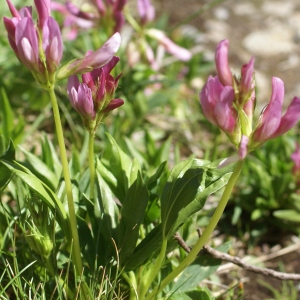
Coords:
76,254
91,163
206,234
148,279
130,278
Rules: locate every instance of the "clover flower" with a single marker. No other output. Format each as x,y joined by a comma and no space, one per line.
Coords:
40,47
93,98
228,102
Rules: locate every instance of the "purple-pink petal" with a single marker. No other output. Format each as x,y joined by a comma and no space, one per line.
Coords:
14,12
271,116
146,11
104,54
179,52
221,59
115,103
73,83
94,60
224,112
290,118
27,43
243,148
85,103
247,76
209,96
52,43
296,159
43,9
119,5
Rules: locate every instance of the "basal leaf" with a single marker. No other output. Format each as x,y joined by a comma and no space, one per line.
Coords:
119,164
106,210
145,248
181,188
43,191
5,173
7,115
132,215
40,169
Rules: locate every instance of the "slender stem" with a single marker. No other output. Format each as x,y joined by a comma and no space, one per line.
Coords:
91,163
76,254
148,279
130,278
206,234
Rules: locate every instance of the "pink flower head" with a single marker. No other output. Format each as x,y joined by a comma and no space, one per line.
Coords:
179,52
146,11
245,85
80,96
73,18
217,104
24,39
93,60
271,124
105,13
94,96
102,83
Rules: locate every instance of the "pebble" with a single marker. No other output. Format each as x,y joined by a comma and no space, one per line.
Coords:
271,41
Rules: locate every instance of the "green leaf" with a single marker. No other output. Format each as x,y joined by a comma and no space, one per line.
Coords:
132,215
163,152
152,180
186,190
290,215
178,185
10,129
135,153
180,296
40,169
49,156
44,192
106,210
111,180
119,164
75,166
145,248
202,267
203,294
5,173
135,169
7,115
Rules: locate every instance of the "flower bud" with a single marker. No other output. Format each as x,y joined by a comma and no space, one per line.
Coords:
179,52
93,60
246,83
221,59
146,11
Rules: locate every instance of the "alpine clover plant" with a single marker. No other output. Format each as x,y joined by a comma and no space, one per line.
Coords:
122,212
